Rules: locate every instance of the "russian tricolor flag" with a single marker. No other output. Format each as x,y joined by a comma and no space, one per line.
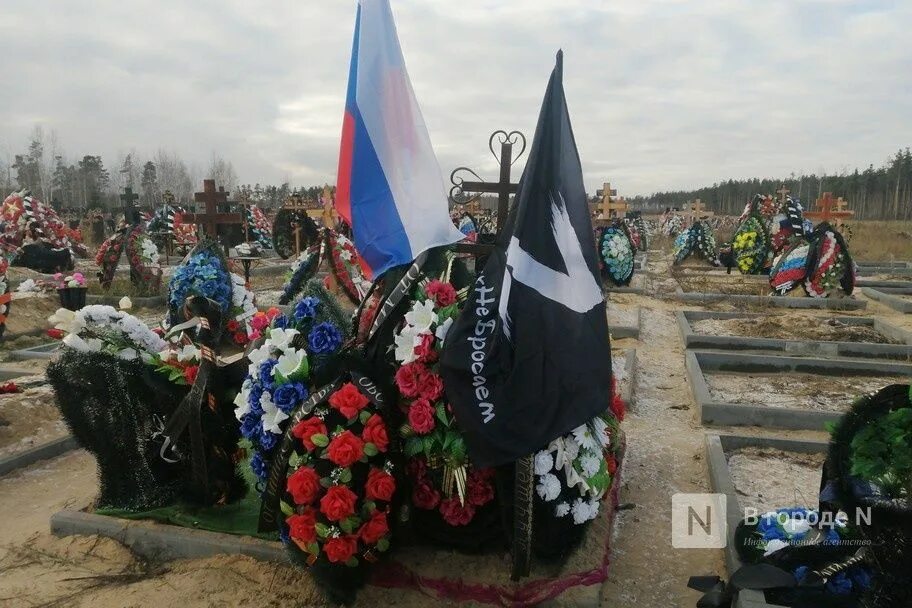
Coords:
390,189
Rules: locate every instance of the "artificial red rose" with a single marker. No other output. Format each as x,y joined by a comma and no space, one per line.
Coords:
345,449
479,491
442,293
348,400
374,528
375,432
57,334
409,378
425,349
431,387
303,527
416,468
456,514
190,373
338,503
306,429
380,485
340,550
618,408
424,496
272,313
240,338
232,326
304,486
421,416
611,464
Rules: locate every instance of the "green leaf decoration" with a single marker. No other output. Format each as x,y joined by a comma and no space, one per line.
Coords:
370,449
322,530
383,544
428,441
326,482
345,476
364,416
280,378
313,548
294,461
458,449
349,524
352,562
368,508
414,446
440,411
286,508
320,440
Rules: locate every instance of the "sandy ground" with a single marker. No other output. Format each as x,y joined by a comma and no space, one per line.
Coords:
806,391
768,479
665,456
791,327
28,419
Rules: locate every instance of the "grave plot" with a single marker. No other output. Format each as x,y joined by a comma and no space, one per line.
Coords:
897,298
752,292
895,268
882,283
782,392
795,334
624,322
763,473
30,425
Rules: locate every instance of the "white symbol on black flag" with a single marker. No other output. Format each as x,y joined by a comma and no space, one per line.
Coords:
528,360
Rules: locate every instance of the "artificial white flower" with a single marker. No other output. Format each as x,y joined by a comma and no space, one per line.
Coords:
594,508
63,319
242,400
281,338
257,356
543,462
76,343
346,255
581,511
561,509
774,545
422,316
601,432
443,329
125,303
128,354
27,285
289,363
548,487
585,438
590,465
406,341
188,352
272,415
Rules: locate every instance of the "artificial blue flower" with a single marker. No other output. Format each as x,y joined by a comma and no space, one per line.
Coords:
250,426
280,322
283,534
253,400
839,584
259,466
268,439
306,309
800,572
324,338
265,376
287,396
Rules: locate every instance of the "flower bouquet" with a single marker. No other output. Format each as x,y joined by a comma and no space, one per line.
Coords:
303,269
72,290
108,256
790,267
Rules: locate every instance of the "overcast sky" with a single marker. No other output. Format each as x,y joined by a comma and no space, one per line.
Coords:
663,94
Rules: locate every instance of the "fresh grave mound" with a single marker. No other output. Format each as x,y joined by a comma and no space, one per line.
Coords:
623,317
792,327
28,419
767,478
30,314
786,390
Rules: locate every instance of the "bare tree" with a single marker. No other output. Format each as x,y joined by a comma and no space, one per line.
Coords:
222,172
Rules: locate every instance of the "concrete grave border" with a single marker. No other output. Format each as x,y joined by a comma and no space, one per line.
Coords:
885,295
620,332
823,348
733,414
42,351
721,482
51,449
630,360
876,283
846,303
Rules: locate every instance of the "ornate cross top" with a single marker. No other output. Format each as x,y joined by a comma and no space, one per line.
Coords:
464,192
824,210
697,210
782,192
212,218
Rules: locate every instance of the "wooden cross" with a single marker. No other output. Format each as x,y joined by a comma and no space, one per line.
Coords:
698,211
212,218
610,207
245,204
783,192
824,211
329,220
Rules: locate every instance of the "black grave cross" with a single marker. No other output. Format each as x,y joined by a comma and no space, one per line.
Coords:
131,213
212,218
464,192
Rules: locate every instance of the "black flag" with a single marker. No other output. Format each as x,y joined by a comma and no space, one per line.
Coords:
529,360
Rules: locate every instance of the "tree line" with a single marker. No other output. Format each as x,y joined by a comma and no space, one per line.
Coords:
87,183
884,193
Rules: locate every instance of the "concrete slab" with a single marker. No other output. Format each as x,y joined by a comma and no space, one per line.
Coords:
721,482
43,351
52,449
734,414
889,296
845,303
820,348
